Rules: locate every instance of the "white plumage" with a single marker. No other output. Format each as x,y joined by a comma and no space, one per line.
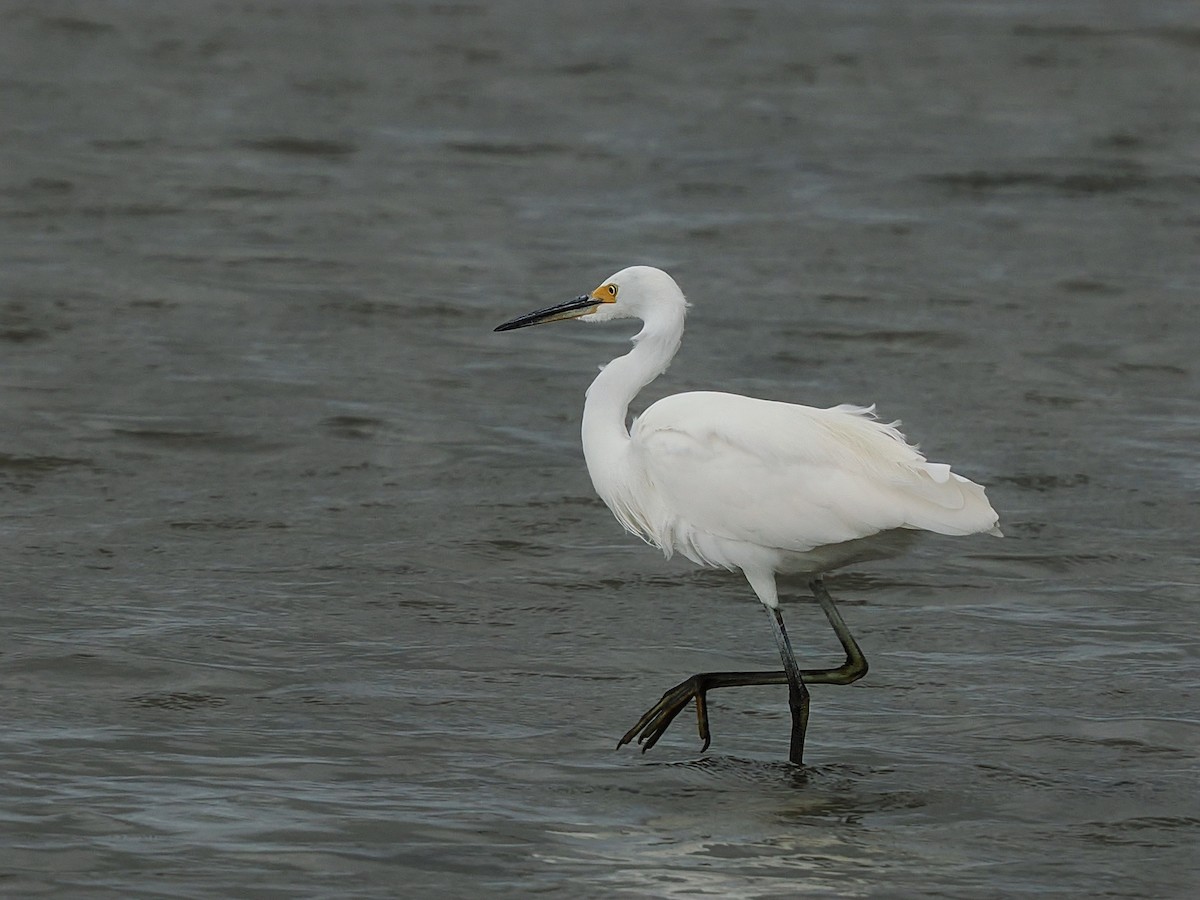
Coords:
714,476
741,483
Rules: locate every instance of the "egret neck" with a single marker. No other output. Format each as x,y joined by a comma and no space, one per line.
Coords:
606,410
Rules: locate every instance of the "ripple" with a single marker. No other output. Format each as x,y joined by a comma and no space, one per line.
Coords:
358,427
1070,184
39,465
297,146
178,700
1043,482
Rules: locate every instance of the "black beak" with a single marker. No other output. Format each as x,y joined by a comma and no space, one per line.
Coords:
580,306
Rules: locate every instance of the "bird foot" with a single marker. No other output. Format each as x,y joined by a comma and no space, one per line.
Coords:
655,721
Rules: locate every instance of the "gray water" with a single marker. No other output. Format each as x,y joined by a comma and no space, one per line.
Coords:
305,589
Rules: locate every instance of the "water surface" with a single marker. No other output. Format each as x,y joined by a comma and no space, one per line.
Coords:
306,591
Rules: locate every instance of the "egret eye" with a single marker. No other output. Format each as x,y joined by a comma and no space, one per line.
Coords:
612,290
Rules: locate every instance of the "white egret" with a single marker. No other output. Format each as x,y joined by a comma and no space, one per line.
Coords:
764,487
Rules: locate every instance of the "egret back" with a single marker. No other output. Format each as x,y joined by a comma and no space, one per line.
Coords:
706,471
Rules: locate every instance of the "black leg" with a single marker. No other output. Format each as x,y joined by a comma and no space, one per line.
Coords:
654,722
855,666
798,697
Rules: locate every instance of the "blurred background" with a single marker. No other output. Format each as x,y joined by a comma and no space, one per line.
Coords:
305,588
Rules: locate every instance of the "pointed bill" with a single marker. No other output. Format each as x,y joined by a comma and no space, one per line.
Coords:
580,306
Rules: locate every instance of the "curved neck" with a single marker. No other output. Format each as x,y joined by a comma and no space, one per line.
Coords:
606,410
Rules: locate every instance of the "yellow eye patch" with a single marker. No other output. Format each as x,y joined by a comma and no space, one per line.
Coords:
606,293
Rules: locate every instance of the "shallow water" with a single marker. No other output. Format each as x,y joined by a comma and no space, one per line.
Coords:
306,592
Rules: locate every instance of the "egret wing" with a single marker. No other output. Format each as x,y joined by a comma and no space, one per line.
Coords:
793,477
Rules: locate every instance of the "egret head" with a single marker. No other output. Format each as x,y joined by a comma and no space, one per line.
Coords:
636,292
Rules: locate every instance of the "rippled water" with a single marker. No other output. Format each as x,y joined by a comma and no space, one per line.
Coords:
306,592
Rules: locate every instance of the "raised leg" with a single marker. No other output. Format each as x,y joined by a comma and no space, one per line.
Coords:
855,666
655,721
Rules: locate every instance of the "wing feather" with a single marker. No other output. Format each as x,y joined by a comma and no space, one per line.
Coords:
792,477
